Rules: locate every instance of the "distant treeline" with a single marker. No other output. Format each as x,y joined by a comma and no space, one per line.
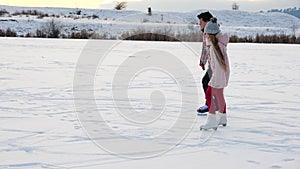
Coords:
197,37
51,31
282,38
165,34
41,33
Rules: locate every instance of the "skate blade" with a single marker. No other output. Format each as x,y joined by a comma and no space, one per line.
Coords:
206,129
224,125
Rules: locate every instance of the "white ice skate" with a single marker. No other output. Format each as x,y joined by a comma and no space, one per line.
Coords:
223,119
212,122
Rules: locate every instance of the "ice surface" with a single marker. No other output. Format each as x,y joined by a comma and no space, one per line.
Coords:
40,128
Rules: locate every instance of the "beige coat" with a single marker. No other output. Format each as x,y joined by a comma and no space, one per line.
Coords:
220,77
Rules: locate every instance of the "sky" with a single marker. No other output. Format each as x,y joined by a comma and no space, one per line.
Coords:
161,5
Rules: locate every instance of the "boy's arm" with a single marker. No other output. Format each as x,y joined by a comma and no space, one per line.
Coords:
204,55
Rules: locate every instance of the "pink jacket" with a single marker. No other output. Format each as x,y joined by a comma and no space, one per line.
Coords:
219,77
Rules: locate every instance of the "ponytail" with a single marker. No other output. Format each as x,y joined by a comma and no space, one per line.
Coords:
219,54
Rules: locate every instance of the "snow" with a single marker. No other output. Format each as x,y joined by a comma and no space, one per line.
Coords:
42,127
114,23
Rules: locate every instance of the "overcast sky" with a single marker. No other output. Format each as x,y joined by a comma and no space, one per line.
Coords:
162,5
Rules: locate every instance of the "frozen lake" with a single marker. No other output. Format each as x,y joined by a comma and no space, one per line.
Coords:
103,104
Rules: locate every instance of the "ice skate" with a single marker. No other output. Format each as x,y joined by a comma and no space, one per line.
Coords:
203,109
223,119
211,122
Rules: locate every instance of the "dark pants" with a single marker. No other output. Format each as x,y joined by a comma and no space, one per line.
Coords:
206,79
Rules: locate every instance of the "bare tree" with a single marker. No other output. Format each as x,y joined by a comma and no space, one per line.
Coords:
121,5
52,29
294,29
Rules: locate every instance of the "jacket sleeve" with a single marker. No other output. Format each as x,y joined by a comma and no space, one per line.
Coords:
204,53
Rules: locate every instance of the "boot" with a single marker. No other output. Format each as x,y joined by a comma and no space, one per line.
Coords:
203,109
223,119
211,122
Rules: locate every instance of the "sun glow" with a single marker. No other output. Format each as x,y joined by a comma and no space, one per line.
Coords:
56,3
94,4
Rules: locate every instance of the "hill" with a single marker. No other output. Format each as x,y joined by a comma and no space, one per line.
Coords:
292,11
113,23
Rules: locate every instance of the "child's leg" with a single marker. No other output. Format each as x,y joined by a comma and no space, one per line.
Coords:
210,101
219,94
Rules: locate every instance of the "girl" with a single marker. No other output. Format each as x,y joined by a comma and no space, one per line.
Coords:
218,61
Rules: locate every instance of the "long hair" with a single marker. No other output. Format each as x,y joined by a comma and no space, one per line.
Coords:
219,54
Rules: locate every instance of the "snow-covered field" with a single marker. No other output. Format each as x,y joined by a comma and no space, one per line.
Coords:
114,23
42,124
